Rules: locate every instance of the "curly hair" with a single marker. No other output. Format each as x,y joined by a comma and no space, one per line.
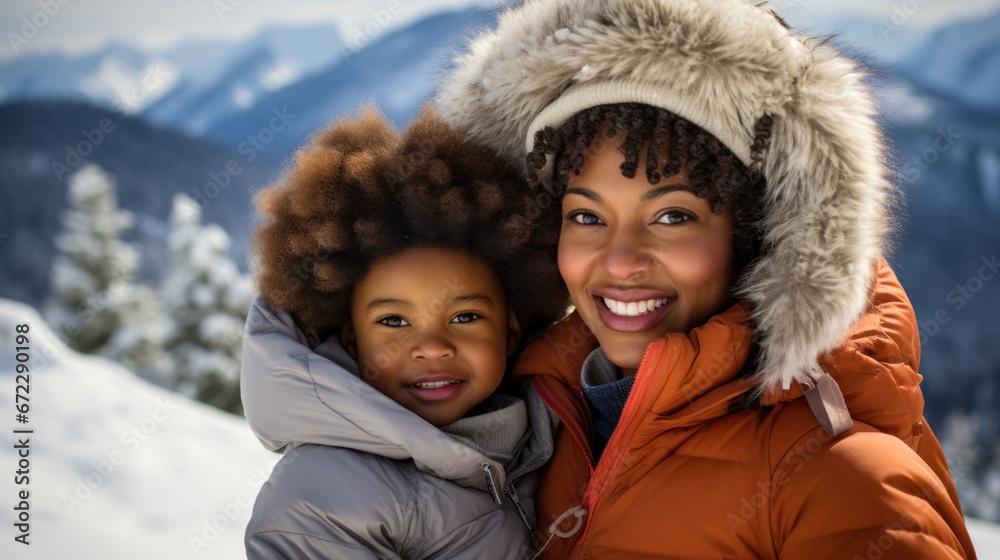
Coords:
714,171
360,191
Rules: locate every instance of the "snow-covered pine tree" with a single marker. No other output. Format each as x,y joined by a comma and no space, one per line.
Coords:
207,299
96,305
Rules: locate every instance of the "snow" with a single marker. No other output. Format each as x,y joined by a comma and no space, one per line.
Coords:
986,538
131,88
121,469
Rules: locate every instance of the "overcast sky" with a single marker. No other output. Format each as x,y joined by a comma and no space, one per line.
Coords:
81,26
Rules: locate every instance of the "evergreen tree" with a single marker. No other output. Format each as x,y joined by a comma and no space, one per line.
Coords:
96,305
207,300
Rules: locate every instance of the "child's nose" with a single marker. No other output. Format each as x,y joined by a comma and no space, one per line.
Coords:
432,346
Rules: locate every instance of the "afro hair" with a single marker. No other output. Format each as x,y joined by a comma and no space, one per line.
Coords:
360,191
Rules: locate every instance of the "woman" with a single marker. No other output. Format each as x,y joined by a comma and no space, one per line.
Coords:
725,207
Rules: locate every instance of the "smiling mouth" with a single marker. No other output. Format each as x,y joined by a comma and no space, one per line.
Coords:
634,308
435,389
434,384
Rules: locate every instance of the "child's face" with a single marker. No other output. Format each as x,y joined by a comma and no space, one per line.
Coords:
635,243
430,329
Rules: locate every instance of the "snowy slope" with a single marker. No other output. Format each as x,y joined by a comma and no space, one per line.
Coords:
121,469
986,538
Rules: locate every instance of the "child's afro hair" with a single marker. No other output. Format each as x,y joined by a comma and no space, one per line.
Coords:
360,191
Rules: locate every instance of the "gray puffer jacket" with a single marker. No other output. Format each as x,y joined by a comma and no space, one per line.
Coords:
363,477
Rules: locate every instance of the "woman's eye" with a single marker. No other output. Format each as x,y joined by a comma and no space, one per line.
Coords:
673,217
585,218
467,317
393,321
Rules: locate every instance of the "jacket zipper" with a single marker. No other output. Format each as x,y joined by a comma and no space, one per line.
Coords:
601,477
564,417
511,493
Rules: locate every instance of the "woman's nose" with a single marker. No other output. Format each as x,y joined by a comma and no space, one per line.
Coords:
432,346
627,256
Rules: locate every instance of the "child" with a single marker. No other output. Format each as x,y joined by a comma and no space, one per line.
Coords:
724,200
396,276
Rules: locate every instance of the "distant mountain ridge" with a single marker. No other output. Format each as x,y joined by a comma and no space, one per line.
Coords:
185,87
41,141
962,60
396,72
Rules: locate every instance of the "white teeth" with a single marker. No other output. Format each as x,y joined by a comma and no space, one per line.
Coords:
433,384
634,309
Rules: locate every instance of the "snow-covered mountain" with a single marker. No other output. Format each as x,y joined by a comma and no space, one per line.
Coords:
962,60
185,87
396,72
253,69
107,77
118,468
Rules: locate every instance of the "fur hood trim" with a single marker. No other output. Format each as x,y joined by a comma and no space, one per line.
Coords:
727,66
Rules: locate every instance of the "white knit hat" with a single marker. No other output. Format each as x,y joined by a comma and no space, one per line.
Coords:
726,66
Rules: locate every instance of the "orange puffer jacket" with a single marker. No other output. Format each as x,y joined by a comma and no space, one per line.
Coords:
688,475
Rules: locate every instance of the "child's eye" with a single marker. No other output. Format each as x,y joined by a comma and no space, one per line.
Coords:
466,317
583,217
392,321
674,217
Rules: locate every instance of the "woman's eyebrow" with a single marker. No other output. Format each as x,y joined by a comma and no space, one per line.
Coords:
660,191
586,193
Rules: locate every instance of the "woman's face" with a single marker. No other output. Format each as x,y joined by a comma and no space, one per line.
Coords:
640,260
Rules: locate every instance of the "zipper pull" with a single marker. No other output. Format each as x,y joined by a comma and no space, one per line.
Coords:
575,511
511,493
491,484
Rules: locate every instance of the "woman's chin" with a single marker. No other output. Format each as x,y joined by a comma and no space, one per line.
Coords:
625,354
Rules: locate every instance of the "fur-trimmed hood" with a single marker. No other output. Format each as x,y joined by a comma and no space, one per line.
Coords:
729,67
